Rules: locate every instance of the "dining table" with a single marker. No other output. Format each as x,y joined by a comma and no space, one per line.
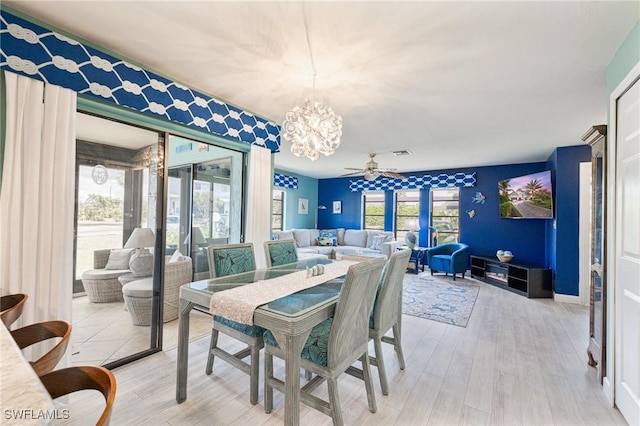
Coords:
23,397
290,318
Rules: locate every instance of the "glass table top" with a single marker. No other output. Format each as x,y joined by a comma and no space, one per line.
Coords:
292,305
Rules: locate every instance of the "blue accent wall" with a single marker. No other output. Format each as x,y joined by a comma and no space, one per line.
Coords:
307,188
563,237
533,241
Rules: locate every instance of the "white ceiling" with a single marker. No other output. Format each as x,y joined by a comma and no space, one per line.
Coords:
458,83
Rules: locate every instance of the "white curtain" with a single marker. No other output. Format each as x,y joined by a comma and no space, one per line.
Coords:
259,202
37,198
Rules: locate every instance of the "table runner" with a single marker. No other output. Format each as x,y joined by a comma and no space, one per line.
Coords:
238,304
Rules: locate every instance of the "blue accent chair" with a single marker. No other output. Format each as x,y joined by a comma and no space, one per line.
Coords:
449,257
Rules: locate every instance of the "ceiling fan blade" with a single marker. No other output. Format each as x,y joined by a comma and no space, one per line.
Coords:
387,169
355,168
391,175
353,174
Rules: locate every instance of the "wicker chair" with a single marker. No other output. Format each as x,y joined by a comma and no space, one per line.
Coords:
387,315
102,284
228,259
334,344
138,294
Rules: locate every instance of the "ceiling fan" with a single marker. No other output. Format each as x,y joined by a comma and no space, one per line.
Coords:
371,170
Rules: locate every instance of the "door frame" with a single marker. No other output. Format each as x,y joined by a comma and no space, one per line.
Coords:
609,380
584,234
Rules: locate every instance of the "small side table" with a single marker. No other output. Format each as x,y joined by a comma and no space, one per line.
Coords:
417,259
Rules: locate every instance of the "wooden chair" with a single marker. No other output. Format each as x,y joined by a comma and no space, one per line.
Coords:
11,308
387,315
228,259
39,332
73,379
334,344
280,252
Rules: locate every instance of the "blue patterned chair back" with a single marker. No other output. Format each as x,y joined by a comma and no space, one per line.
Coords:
229,259
280,252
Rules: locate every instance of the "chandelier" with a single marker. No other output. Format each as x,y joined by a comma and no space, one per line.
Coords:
312,128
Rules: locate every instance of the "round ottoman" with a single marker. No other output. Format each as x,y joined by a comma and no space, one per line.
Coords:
102,285
138,296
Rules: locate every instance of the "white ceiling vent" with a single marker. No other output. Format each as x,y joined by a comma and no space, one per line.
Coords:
401,152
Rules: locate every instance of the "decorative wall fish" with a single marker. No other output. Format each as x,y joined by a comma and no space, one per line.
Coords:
478,198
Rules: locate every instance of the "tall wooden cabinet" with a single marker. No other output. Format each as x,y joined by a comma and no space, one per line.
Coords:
596,137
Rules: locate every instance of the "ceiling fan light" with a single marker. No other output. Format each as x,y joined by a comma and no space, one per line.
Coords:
369,175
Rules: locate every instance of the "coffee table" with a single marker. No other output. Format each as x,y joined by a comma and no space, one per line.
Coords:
356,255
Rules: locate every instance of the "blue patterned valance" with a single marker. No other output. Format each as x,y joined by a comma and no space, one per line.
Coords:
285,181
34,51
456,180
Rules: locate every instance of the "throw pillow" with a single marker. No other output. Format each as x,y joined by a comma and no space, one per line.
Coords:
328,233
176,257
376,242
328,241
119,259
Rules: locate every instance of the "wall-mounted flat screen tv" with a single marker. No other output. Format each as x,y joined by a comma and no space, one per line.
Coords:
526,197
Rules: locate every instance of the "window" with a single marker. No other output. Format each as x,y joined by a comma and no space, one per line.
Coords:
445,213
407,212
373,211
277,205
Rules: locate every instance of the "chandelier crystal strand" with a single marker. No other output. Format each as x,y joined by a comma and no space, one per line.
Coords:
312,129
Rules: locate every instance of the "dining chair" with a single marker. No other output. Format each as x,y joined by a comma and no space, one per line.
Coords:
280,252
334,344
40,332
79,378
387,315
11,307
228,259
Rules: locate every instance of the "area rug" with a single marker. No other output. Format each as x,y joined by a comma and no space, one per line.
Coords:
439,298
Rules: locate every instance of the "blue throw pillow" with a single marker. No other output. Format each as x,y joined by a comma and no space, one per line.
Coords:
328,241
328,233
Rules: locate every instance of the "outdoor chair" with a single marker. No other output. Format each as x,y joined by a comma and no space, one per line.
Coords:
138,294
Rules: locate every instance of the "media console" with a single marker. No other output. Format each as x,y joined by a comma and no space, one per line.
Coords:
526,280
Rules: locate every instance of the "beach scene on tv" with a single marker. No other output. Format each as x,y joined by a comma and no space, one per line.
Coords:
526,196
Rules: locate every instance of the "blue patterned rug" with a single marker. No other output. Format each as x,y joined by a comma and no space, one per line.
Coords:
439,298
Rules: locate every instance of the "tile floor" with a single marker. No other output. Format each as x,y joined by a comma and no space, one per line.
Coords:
103,332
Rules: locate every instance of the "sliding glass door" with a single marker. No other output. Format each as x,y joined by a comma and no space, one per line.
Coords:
131,218
205,199
118,186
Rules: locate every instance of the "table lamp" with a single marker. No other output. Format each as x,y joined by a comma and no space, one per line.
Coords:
141,261
196,238
411,238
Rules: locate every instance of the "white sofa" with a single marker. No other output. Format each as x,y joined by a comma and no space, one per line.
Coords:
348,240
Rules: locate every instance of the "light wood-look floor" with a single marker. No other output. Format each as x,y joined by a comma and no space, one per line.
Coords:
518,362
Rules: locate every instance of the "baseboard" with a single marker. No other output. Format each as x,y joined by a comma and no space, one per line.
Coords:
566,298
606,387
